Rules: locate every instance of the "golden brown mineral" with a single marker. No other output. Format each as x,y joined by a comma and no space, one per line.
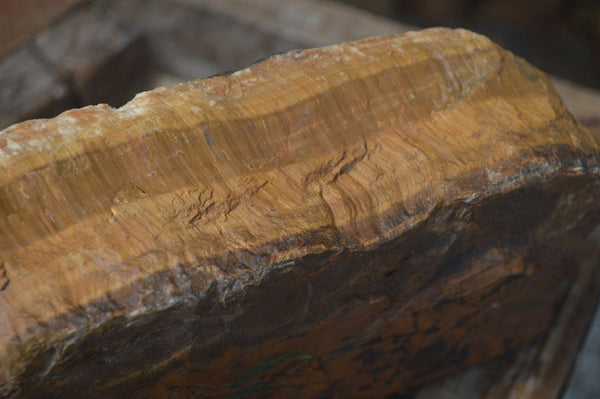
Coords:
350,220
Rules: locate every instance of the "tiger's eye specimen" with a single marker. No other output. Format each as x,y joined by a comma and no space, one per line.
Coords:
353,220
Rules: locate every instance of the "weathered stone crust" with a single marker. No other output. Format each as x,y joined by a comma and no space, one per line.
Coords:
358,218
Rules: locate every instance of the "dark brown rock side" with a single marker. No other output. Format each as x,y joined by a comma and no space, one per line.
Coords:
351,220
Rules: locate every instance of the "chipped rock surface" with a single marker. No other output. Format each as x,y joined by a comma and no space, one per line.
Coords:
352,219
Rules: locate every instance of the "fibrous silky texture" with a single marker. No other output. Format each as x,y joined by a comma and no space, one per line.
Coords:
354,219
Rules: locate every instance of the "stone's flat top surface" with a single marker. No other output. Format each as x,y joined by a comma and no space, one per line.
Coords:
121,212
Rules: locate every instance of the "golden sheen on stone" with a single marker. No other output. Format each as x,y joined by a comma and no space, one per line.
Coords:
352,220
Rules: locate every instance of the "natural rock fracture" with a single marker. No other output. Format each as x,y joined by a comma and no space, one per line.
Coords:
355,219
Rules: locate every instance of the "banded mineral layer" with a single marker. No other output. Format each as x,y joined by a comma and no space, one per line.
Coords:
354,219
